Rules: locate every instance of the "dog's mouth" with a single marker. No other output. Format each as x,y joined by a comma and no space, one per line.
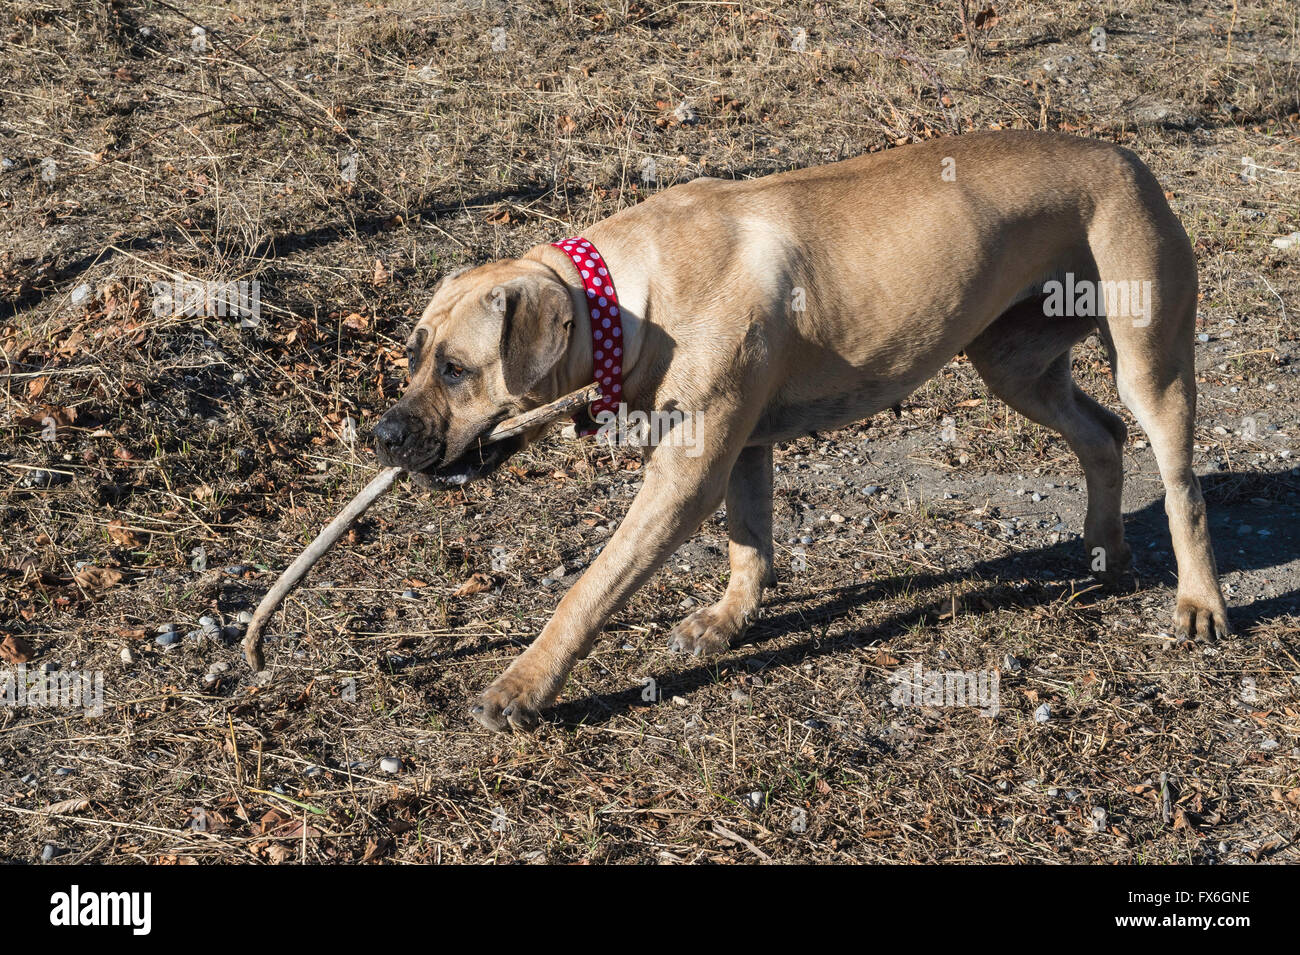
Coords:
478,461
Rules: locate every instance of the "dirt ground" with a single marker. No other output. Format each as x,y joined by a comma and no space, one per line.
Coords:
160,468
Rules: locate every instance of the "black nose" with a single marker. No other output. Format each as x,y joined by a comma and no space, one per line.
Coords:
403,440
396,437
391,432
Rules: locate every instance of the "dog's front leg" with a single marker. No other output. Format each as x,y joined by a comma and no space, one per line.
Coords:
711,630
680,492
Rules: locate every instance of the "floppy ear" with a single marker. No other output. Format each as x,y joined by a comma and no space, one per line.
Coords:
537,319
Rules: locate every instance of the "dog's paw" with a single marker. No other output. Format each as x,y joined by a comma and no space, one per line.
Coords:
509,703
707,631
1200,619
1111,565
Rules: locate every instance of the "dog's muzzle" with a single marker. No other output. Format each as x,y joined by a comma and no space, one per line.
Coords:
403,440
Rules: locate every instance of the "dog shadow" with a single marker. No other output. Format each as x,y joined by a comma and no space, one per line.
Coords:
1240,505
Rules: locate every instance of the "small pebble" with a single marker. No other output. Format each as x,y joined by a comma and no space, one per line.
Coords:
1011,664
1098,819
1043,713
390,764
755,800
49,852
245,616
167,639
739,696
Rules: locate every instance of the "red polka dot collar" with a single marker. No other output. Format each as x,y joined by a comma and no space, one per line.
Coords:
606,330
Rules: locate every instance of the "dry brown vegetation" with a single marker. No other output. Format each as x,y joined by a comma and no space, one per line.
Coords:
132,153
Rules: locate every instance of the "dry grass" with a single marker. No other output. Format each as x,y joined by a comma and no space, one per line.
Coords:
174,433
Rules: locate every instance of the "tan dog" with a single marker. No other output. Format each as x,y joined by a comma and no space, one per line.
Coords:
808,300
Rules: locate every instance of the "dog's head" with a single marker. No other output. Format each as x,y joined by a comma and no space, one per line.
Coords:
487,347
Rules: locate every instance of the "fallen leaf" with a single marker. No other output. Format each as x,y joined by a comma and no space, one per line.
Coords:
98,578
475,585
381,273
15,649
69,806
120,533
279,854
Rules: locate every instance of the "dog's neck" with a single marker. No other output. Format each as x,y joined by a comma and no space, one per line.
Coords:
577,368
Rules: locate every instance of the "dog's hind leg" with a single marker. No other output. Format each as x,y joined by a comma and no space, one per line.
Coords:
711,629
1140,248
1024,357
1157,384
1155,378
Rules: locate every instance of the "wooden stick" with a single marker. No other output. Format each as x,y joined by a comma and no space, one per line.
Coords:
371,493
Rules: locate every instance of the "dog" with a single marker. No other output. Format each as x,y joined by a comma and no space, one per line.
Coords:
804,301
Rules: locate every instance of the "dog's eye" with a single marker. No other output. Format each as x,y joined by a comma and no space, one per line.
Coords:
452,371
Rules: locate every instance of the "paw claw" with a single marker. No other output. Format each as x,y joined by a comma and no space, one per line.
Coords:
707,631
508,704
1201,620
